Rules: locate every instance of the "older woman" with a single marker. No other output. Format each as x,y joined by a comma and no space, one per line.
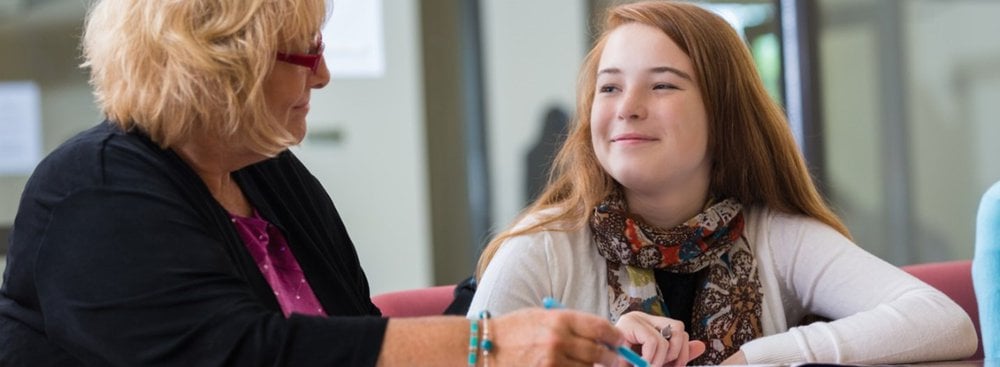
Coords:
680,192
182,230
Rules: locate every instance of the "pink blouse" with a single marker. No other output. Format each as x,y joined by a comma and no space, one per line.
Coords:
278,265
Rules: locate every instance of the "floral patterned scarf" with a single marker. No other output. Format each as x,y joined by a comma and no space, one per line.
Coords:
727,307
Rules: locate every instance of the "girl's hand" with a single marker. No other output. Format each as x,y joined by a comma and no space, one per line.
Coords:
646,331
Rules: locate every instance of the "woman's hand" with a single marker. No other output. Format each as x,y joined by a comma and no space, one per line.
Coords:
537,337
641,329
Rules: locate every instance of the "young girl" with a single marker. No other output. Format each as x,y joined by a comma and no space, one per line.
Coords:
681,192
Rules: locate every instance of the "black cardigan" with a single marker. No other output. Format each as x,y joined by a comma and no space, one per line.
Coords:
119,255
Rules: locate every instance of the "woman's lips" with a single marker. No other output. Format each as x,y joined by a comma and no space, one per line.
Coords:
632,138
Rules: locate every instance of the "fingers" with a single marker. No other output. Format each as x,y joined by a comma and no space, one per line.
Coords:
655,349
647,330
695,349
678,346
588,351
571,338
592,327
678,354
555,337
593,335
692,349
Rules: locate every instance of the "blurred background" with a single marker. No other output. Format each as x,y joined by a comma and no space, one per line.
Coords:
443,114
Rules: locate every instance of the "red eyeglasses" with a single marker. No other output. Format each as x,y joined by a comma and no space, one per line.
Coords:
310,59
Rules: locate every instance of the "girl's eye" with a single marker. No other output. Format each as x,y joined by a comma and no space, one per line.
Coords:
665,86
606,89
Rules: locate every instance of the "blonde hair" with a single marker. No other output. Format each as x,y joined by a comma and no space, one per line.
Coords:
755,158
175,68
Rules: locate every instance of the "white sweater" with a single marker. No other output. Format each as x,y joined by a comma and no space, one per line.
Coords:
883,315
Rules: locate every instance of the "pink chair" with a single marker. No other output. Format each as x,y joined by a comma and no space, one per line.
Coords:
415,302
953,278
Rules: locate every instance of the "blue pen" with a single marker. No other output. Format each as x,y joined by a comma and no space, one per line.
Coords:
628,354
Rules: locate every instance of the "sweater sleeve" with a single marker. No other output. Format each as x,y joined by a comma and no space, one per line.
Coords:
130,278
560,262
517,277
882,314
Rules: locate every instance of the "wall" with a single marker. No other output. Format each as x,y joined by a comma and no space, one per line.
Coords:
849,72
916,80
533,50
42,46
954,87
449,101
376,173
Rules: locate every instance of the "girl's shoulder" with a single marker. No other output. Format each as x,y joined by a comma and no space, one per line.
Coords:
762,220
559,238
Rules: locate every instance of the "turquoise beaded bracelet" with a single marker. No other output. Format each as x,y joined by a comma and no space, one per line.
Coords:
473,342
487,344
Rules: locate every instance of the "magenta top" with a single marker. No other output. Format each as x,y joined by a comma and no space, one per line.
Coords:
278,265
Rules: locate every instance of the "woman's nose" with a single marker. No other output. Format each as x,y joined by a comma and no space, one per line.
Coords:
322,75
632,106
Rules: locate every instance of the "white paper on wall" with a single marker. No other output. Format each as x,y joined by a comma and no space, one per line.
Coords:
20,127
355,47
